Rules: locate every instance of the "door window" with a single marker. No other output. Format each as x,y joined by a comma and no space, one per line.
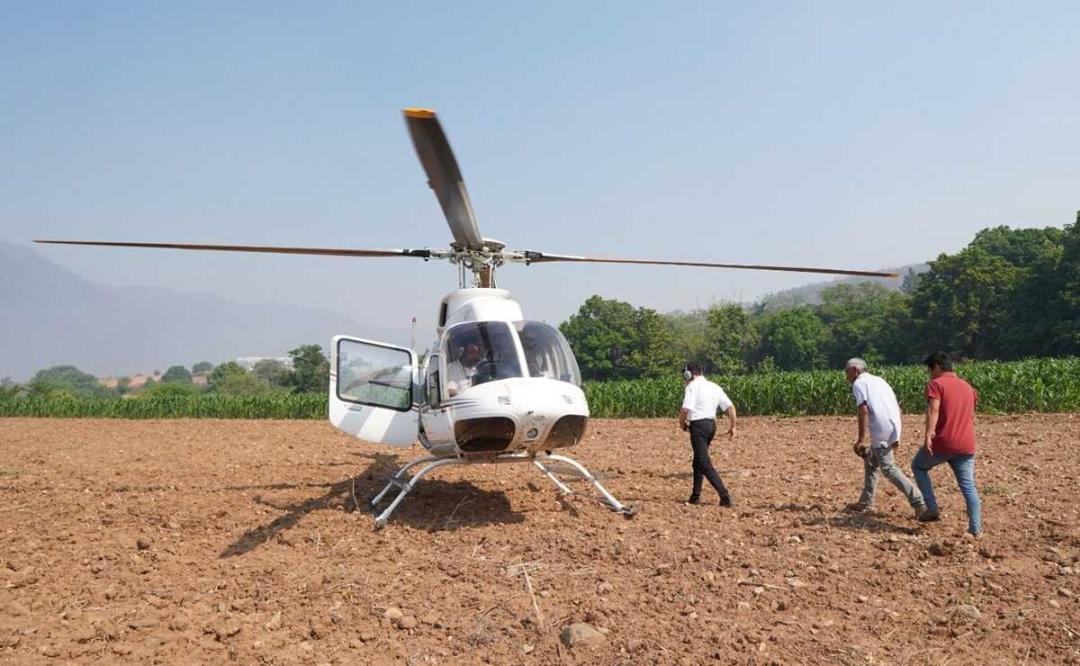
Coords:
371,374
431,381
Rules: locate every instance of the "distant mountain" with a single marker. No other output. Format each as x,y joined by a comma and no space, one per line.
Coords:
51,316
811,294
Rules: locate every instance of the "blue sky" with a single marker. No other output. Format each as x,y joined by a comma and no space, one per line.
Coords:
850,134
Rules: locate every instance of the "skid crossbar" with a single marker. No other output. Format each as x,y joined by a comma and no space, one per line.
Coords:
405,484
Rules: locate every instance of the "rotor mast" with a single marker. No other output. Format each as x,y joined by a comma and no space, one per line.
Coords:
481,261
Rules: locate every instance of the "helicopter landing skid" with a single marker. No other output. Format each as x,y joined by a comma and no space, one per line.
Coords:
405,485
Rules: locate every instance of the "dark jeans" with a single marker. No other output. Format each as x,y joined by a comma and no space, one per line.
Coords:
702,432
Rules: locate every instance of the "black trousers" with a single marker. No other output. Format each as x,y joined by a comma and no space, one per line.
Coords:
702,432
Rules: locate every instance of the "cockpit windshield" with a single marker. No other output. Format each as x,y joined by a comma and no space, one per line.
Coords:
547,353
479,352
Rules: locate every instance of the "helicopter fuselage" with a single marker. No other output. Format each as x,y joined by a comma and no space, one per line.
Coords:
492,382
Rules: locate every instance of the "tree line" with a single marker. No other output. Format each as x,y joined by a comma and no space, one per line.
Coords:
310,373
1009,294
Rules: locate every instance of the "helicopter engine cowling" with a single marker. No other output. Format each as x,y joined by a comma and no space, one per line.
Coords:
521,414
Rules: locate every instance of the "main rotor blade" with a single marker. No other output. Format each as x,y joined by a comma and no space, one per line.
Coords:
443,175
335,252
543,257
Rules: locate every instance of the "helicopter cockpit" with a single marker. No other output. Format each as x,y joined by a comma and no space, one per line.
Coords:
547,354
483,351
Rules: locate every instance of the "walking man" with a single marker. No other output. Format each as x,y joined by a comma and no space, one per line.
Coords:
949,438
701,401
879,435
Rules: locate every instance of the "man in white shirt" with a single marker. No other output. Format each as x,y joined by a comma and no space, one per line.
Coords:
460,373
879,434
702,399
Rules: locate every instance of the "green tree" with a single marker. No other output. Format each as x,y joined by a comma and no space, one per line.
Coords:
910,281
222,372
246,384
989,300
1061,281
689,335
176,374
961,305
310,371
69,379
272,372
202,367
866,319
1019,247
10,389
730,338
795,339
614,340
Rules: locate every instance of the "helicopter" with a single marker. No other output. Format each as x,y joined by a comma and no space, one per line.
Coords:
494,387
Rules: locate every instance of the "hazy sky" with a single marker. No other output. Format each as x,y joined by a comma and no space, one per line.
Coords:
847,134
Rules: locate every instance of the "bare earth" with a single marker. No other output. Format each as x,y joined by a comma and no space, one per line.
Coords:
237,541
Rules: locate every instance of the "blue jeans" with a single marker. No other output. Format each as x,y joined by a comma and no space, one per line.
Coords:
963,467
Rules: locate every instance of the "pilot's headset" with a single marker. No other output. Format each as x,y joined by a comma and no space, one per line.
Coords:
687,375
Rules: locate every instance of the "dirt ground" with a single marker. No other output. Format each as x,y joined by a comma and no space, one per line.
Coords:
200,541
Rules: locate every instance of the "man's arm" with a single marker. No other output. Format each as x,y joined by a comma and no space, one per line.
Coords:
731,419
454,374
933,409
687,403
860,444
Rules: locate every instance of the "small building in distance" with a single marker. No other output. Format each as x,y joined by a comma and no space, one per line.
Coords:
134,381
248,362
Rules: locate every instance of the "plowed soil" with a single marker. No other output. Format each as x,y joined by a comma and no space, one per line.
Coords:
192,541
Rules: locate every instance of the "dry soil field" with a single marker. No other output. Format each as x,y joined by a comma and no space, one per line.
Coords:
237,541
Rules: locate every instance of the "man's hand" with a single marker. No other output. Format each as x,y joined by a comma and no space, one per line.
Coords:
928,444
731,432
859,448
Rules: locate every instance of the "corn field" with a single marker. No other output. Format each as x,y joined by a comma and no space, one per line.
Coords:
288,406
1036,385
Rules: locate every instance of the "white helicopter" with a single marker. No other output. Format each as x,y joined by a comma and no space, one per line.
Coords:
494,387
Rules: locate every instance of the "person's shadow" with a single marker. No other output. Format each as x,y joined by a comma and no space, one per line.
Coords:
871,522
432,505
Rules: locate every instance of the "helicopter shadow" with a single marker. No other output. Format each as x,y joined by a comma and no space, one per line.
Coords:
433,505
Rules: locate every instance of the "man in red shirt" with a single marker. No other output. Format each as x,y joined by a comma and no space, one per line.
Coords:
949,438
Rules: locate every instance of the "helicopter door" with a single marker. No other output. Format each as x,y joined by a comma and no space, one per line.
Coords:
433,415
372,391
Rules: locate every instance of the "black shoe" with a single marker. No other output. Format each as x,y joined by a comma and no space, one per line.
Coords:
694,500
727,501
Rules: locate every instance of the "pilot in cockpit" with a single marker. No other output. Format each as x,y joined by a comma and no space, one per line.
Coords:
461,372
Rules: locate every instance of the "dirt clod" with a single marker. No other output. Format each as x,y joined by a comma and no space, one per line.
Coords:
581,634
